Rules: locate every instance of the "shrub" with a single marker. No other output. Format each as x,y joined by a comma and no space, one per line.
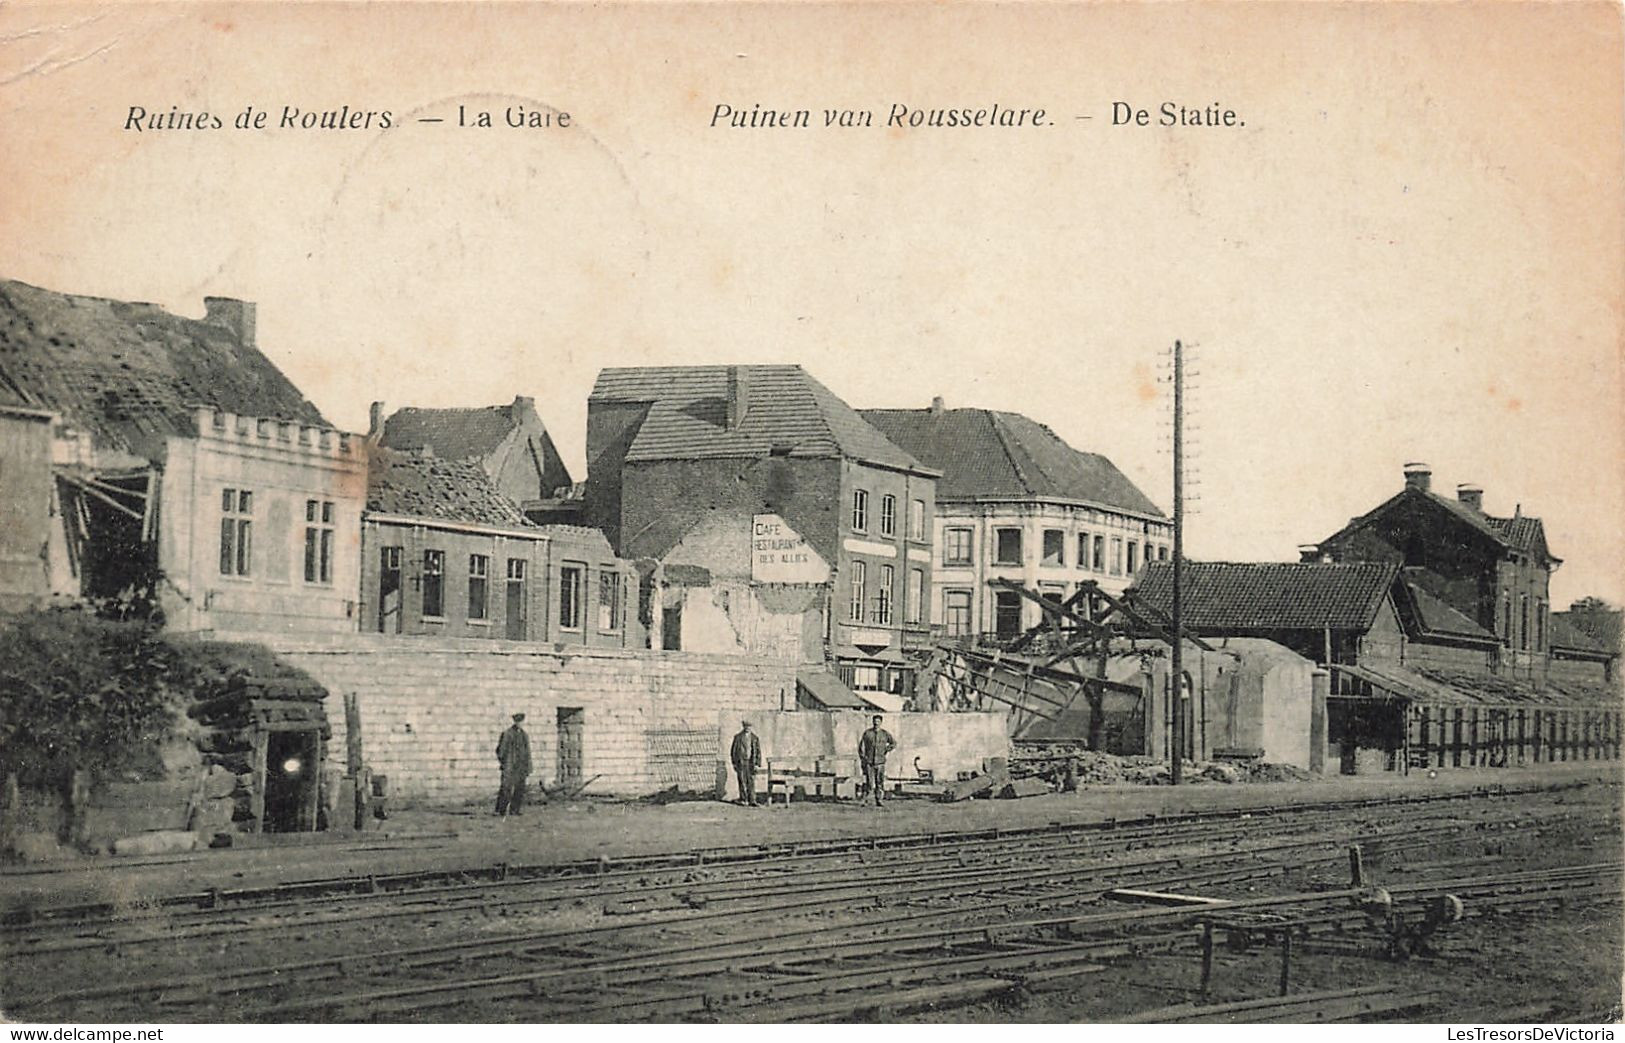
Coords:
77,691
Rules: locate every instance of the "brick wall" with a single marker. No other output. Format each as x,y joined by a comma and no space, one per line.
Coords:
432,709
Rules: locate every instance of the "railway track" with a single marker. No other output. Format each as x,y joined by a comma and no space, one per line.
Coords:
939,918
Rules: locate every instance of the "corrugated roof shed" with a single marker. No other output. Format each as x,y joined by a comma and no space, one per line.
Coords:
986,454
786,410
1240,596
130,374
424,486
1428,685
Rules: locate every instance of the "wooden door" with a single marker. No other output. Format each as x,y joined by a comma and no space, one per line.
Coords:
516,600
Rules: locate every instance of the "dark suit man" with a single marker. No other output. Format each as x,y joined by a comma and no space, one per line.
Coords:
872,750
513,754
746,755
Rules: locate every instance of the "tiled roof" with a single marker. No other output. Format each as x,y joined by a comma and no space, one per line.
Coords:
453,434
1520,532
1569,632
130,374
1270,595
786,411
1434,617
985,454
424,486
1604,624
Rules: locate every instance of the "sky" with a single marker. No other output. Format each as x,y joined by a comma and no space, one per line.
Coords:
1410,247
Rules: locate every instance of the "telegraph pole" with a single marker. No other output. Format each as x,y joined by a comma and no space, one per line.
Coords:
1176,680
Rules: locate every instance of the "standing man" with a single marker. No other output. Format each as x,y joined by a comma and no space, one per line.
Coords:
872,750
746,755
513,753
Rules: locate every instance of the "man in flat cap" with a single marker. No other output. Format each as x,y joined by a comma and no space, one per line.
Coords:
513,753
873,747
746,755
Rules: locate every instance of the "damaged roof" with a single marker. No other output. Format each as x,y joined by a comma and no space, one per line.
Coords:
131,374
453,434
986,454
785,411
422,485
1270,595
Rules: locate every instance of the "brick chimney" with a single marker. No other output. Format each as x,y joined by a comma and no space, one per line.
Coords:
1418,476
738,397
1471,496
937,405
234,315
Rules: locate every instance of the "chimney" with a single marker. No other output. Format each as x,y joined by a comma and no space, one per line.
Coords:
375,421
1308,553
523,405
1418,476
232,314
738,397
937,405
1471,496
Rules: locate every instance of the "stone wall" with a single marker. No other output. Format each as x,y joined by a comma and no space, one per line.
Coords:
432,709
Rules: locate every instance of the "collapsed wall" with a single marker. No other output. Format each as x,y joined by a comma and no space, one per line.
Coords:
622,722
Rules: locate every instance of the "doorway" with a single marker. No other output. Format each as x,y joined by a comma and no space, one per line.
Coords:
571,724
389,590
516,600
292,770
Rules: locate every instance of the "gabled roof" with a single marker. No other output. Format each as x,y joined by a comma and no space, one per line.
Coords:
1240,596
985,454
786,411
1432,617
1520,532
423,486
131,374
452,434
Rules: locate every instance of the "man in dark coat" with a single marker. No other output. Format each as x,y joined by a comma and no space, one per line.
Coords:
746,755
872,750
513,753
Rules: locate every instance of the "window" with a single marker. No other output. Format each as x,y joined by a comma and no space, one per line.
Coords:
916,595
479,568
1540,625
1162,552
860,510
1523,621
854,608
236,532
1506,620
956,546
956,612
916,519
1007,614
1117,555
570,577
318,541
434,585
865,678
1007,550
888,515
1133,557
884,595
1083,550
609,598
1054,547
1100,554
